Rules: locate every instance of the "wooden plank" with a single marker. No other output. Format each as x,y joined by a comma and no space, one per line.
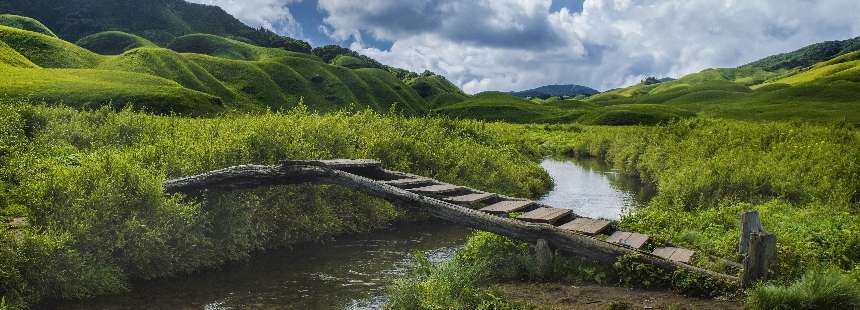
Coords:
409,182
545,215
628,239
675,254
335,163
436,189
586,225
508,206
470,198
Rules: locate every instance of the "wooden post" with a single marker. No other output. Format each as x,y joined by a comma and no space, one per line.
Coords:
762,248
543,257
750,223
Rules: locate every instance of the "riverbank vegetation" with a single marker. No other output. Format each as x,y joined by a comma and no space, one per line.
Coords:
802,178
83,189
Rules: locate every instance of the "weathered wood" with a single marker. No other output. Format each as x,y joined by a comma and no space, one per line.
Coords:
750,223
762,249
543,255
545,215
470,198
437,189
336,163
253,176
628,239
680,255
587,225
508,206
409,182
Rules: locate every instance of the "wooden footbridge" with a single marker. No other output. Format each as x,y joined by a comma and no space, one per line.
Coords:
521,219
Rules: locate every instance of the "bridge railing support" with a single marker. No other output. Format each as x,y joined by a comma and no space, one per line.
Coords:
758,247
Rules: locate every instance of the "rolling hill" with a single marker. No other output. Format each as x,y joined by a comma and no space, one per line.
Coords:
198,74
556,91
159,21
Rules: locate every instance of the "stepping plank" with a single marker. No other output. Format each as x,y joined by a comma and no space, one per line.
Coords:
408,182
675,254
628,239
586,225
545,215
437,189
508,206
470,198
335,163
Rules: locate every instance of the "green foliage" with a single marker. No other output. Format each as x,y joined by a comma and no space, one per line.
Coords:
113,42
11,57
634,114
807,56
801,178
90,183
25,23
827,289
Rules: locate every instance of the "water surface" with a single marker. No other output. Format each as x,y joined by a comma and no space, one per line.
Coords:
593,189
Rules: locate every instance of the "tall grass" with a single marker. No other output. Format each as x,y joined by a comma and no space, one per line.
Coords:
815,290
90,184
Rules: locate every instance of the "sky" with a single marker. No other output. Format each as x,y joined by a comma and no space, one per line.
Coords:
507,45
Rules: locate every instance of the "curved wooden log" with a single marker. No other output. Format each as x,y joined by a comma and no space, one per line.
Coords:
253,176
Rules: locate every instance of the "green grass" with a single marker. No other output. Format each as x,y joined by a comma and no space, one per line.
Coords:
816,290
48,51
222,47
352,62
11,57
113,42
498,106
634,114
67,171
25,23
437,90
221,74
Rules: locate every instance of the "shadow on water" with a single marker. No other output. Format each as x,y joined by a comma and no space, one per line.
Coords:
349,273
352,272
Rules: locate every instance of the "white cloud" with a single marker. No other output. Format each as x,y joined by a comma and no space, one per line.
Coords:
511,45
272,14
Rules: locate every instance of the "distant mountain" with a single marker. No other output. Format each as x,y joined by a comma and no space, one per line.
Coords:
556,90
806,56
159,21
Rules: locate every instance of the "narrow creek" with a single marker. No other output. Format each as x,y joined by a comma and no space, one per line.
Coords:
352,272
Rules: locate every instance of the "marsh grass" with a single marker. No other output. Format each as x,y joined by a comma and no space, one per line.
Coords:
90,185
828,289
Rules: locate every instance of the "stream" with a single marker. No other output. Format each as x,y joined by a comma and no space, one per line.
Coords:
352,272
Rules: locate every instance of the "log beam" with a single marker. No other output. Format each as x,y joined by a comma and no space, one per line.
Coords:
254,176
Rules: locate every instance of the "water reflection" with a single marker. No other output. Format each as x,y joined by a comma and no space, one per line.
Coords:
350,273
591,188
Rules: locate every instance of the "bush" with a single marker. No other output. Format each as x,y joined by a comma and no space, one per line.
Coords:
827,289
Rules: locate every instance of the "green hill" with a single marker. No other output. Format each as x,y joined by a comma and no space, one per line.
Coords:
437,90
113,42
807,56
159,21
206,72
25,23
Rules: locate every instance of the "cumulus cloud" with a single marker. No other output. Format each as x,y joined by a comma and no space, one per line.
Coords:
509,44
272,14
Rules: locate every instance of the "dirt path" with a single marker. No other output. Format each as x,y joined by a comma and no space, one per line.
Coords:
561,296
